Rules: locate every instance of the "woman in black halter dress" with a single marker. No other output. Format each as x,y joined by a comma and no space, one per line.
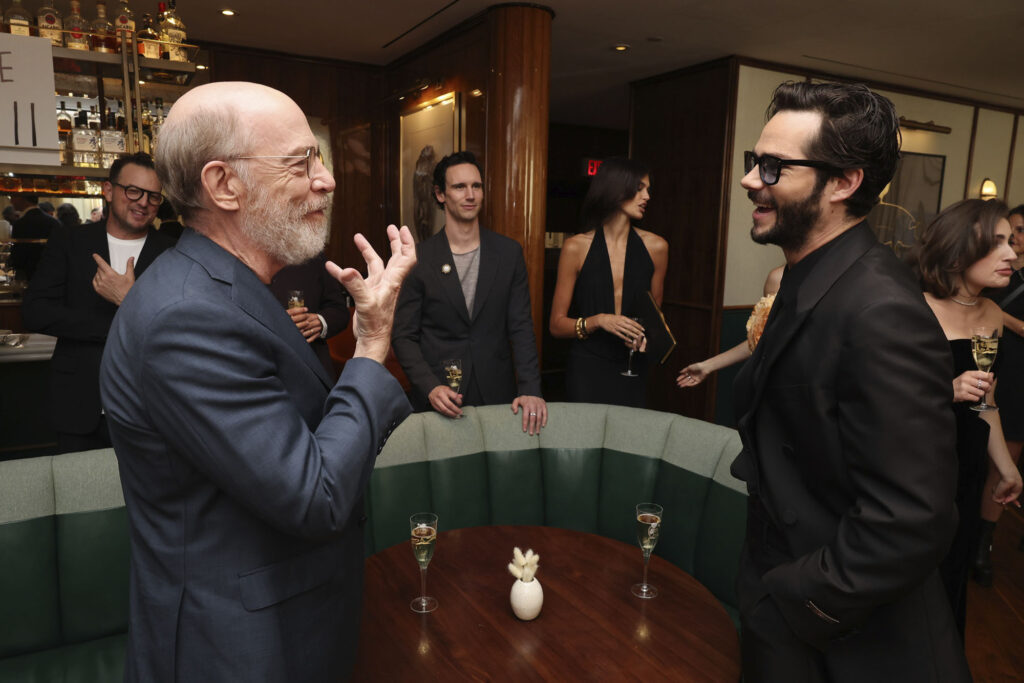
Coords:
603,275
962,251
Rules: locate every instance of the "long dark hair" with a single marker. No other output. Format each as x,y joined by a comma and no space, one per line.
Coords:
617,180
960,236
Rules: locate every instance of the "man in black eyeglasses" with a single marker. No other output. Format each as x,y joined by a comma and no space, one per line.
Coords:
83,275
848,437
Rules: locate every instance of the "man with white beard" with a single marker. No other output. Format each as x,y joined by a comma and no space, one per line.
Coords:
243,469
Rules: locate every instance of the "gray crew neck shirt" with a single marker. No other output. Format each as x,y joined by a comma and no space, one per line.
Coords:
468,267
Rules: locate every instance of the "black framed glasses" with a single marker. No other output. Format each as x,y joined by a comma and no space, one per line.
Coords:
311,155
135,194
770,167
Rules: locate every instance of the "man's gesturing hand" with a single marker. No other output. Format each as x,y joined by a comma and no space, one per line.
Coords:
110,284
376,294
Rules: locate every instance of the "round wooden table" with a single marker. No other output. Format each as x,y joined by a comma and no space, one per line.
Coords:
590,628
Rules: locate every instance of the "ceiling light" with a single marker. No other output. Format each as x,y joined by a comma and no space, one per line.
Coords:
201,67
228,12
620,47
989,189
476,92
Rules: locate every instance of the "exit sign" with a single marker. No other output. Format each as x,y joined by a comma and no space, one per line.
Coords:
590,166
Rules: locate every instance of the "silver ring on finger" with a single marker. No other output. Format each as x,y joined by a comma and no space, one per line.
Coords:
533,414
979,384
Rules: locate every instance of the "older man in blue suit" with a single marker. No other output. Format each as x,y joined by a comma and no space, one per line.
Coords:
243,467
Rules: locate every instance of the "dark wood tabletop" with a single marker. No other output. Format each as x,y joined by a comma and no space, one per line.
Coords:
590,628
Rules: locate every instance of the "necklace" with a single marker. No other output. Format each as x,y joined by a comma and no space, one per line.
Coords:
964,303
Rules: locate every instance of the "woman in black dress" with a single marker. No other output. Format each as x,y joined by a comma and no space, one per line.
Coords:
1009,390
962,251
602,275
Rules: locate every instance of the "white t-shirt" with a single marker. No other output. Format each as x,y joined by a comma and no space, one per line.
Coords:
122,250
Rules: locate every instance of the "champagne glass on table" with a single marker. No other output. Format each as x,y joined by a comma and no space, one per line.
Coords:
648,527
423,529
984,346
628,372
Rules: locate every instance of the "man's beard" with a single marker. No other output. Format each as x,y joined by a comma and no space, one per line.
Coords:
282,229
793,220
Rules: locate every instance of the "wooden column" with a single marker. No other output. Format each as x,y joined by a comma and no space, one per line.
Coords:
515,164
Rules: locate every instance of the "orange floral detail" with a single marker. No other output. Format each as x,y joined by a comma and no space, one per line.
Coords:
758,317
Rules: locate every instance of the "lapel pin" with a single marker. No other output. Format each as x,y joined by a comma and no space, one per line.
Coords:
445,269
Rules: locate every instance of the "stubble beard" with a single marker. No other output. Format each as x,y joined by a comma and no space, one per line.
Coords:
793,220
283,230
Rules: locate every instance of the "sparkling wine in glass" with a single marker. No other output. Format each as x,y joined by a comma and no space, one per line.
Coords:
296,299
628,372
648,528
423,532
452,373
984,346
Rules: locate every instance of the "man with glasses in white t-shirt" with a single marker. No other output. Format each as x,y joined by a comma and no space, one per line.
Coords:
82,277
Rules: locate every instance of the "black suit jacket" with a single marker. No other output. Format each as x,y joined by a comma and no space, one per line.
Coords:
849,447
323,295
60,301
33,225
496,344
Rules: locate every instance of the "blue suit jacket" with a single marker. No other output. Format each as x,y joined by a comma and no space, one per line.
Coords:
243,471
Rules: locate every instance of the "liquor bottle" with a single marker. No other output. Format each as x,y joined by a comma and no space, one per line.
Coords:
172,33
19,21
84,142
149,45
49,22
124,19
64,126
112,143
77,28
103,39
94,119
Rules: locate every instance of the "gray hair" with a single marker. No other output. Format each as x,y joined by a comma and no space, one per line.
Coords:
186,144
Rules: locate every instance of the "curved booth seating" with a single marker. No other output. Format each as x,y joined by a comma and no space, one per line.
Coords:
586,471
64,535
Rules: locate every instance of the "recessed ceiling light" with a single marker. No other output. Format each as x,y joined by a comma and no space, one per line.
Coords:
228,12
620,47
476,92
201,67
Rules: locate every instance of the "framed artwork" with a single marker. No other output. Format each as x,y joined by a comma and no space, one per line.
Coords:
428,134
911,200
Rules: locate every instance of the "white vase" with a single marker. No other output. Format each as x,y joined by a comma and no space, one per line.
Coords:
527,597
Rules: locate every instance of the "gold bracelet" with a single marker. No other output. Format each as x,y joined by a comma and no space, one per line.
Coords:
581,328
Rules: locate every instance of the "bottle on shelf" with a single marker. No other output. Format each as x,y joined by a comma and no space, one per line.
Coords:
84,141
64,126
49,23
172,33
148,39
112,143
94,118
124,18
19,21
76,36
103,39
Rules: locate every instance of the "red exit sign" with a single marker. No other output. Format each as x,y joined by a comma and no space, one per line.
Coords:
590,166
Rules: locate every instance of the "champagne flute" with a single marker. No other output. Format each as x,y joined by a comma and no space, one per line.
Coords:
648,527
452,369
296,299
984,346
423,530
628,372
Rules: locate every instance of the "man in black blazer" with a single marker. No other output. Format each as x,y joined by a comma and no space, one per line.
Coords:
845,416
83,275
468,299
29,233
324,312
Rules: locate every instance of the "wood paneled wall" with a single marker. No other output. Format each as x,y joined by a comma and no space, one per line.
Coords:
680,125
